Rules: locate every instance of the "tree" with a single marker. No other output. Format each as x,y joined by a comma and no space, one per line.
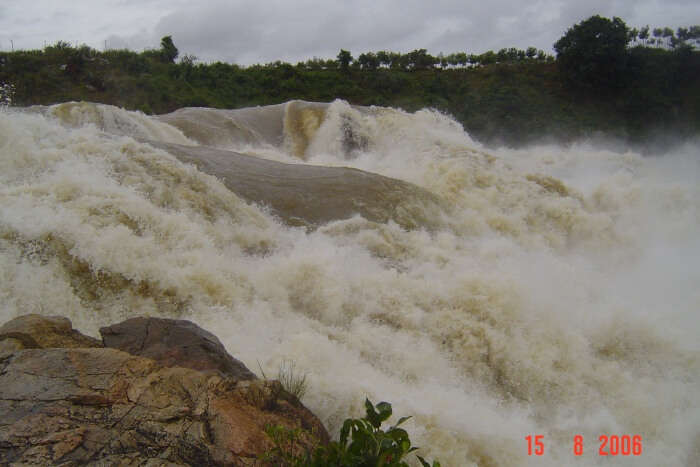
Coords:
502,55
644,34
395,58
420,59
368,61
688,36
168,51
682,34
487,58
442,61
461,58
188,60
633,34
384,58
344,59
593,53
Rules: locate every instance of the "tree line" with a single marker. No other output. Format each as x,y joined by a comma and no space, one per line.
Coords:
665,37
420,59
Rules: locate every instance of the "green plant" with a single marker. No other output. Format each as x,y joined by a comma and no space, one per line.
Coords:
287,450
293,381
362,443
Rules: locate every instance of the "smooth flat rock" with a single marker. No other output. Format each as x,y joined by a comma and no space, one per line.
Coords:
310,195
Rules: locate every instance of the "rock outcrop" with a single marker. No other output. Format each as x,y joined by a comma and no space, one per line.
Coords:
173,342
94,405
36,331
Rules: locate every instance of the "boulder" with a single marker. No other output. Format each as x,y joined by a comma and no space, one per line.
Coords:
103,406
172,342
37,331
313,195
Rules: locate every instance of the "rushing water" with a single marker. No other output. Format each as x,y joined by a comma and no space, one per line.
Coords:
491,294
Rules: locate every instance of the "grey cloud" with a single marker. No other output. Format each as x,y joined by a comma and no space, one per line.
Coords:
259,31
248,31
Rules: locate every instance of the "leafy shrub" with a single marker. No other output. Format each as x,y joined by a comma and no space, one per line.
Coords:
362,443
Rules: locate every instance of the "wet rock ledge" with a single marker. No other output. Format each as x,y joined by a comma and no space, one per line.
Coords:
152,392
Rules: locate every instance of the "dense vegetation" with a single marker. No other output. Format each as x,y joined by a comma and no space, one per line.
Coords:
606,79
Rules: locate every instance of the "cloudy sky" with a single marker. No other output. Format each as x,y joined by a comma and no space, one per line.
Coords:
260,31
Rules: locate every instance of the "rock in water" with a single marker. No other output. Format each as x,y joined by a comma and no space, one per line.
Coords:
310,195
172,342
75,406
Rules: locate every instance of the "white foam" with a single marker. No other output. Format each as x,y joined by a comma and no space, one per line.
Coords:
560,299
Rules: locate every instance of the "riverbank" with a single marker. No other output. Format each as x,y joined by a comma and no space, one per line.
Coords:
513,103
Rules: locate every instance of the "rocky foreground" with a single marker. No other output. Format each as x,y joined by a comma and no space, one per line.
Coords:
152,392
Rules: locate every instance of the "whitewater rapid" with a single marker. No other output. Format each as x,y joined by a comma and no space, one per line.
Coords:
502,293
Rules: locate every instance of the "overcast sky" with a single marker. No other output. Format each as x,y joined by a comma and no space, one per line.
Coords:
261,31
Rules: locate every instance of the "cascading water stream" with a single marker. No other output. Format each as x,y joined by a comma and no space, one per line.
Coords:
505,293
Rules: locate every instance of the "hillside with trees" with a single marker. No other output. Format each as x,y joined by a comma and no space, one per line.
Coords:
633,84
